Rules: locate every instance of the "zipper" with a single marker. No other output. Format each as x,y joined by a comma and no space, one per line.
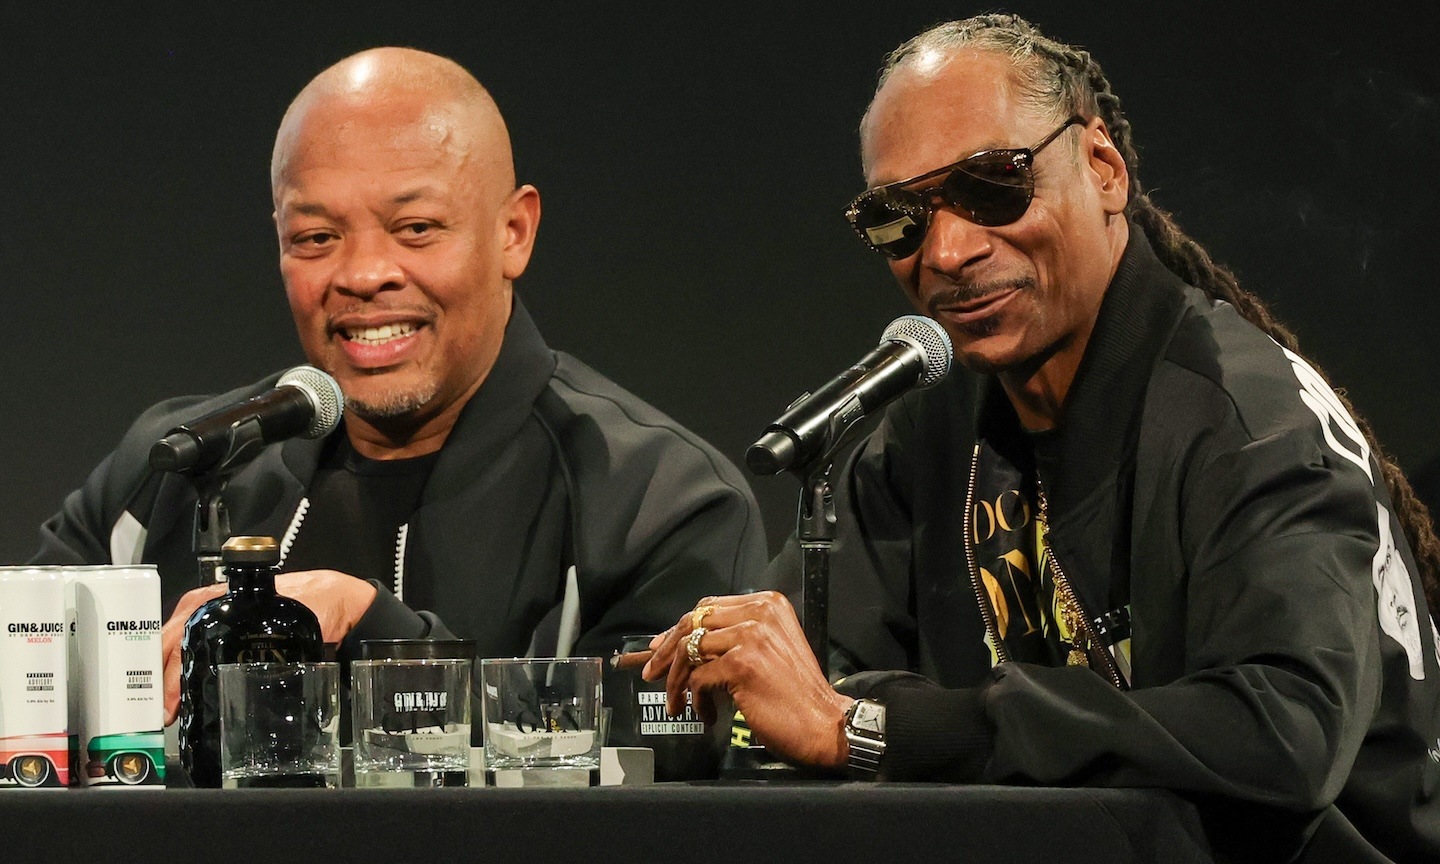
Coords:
987,612
402,537
1087,646
293,530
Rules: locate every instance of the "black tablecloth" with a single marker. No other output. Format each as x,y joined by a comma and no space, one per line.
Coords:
847,823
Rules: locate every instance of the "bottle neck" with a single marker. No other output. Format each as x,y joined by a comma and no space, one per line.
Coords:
250,578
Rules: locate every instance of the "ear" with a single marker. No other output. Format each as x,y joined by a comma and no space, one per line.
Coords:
1111,177
518,221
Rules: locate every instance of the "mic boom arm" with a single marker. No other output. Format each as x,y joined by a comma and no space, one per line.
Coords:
913,352
805,434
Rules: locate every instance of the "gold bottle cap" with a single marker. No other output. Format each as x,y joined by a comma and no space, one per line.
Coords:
250,550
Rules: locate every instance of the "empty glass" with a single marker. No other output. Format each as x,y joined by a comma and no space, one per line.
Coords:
279,725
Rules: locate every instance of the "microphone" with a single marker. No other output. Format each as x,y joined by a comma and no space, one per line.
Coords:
305,402
914,351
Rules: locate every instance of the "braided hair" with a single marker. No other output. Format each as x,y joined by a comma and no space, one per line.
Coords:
1062,79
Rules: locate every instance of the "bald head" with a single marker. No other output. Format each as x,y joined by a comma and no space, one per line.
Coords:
401,231
414,94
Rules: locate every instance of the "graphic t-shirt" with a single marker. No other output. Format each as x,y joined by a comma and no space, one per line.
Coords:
1016,570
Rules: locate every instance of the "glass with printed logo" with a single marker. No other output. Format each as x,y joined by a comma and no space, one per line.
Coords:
541,718
411,707
279,725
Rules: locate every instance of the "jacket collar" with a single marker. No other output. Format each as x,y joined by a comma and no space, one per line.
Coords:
498,409
1141,308
490,419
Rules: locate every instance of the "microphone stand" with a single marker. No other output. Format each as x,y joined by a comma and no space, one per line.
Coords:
815,522
815,529
212,526
244,441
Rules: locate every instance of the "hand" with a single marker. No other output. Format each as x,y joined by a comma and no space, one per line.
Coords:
170,636
337,599
755,649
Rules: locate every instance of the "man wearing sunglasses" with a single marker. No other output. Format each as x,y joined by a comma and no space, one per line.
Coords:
1165,555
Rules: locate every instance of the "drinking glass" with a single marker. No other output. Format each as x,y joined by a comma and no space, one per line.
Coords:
412,718
279,725
542,719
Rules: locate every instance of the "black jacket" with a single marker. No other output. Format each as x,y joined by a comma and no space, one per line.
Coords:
549,465
1208,481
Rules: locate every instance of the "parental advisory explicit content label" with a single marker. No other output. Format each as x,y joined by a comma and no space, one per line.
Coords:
654,720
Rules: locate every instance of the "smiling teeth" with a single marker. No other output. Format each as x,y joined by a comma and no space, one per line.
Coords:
380,335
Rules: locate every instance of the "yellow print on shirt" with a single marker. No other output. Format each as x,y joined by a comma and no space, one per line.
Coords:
1015,576
1014,568
997,601
1010,511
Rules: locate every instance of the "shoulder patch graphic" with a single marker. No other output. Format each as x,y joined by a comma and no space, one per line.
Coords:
1395,597
1333,417
1394,589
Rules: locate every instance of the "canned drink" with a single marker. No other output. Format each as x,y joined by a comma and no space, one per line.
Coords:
117,675
34,749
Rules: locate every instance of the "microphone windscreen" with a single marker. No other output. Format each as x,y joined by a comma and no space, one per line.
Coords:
927,337
324,394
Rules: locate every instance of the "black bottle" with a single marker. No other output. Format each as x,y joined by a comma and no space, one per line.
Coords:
249,624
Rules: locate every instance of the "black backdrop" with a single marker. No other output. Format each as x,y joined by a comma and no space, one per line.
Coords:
692,166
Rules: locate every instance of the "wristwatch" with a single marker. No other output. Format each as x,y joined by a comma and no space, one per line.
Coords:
865,730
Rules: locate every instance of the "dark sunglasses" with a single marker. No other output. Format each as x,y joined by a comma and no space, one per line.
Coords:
992,187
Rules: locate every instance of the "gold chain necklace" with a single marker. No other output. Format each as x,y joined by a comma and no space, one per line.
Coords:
1070,609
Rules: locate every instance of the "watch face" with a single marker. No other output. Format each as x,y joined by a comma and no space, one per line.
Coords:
868,717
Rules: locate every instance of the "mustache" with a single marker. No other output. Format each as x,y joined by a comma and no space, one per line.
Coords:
960,293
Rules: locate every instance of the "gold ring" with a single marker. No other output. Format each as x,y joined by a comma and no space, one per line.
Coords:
697,617
692,646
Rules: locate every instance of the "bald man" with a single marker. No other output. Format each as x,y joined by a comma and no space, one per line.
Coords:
512,493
